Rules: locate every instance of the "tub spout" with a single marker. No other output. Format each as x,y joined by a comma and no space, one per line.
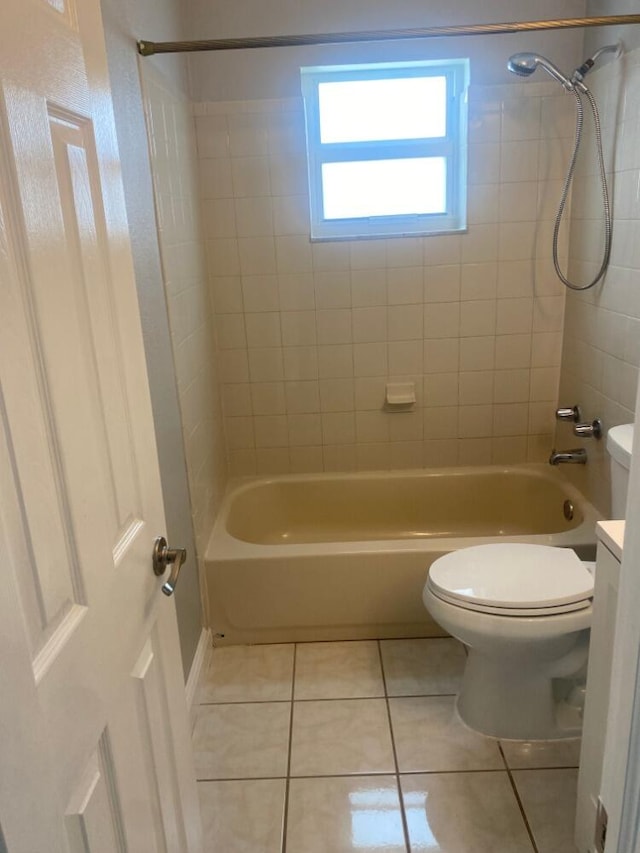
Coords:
578,456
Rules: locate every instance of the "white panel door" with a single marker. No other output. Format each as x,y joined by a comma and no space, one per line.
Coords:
94,739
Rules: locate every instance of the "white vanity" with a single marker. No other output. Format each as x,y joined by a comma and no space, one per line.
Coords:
610,537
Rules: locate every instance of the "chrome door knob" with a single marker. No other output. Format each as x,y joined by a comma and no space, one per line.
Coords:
163,556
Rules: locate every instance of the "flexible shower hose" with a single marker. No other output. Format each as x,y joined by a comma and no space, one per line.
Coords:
567,186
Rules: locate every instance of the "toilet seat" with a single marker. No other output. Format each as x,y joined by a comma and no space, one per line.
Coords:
512,580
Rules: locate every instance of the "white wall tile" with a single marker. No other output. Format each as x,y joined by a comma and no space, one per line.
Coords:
302,397
441,389
263,329
370,359
442,356
327,324
369,393
475,421
404,323
332,289
479,280
442,320
271,431
306,460
338,428
230,330
339,458
300,363
405,285
337,395
305,430
257,255
334,326
442,283
272,461
296,292
335,361
236,399
441,423
227,294
368,288
253,217
477,318
260,293
294,254
265,364
268,398
476,387
298,328
250,177
405,357
477,353
515,316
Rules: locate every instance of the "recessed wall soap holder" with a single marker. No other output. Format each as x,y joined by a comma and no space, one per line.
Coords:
400,396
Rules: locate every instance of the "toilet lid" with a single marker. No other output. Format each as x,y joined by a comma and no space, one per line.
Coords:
513,576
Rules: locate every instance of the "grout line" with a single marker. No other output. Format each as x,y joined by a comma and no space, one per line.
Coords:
328,699
247,702
243,779
403,816
518,800
366,773
285,814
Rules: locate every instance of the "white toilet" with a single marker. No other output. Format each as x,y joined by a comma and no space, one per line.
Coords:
524,613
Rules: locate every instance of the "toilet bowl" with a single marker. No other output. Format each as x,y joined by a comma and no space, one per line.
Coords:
523,612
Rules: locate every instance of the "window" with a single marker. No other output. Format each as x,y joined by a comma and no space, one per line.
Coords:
386,148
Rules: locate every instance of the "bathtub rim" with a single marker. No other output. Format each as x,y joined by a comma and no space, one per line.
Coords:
223,545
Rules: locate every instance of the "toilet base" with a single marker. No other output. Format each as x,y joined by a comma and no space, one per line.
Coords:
498,699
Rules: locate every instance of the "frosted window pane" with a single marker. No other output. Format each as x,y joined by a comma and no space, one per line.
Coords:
362,110
384,187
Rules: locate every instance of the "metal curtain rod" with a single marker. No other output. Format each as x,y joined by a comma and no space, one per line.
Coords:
148,48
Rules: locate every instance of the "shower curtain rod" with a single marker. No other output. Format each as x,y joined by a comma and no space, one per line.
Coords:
148,48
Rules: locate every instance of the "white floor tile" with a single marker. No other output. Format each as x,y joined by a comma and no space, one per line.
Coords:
242,741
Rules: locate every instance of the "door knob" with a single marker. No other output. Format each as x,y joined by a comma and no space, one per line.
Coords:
164,556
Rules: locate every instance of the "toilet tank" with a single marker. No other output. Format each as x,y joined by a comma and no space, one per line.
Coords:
619,444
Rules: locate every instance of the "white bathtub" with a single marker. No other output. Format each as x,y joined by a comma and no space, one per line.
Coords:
345,556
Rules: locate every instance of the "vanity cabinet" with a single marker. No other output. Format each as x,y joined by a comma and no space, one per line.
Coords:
605,600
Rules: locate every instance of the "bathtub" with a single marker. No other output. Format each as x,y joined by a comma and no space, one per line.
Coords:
345,556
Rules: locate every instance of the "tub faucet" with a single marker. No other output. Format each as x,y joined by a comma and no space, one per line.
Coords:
578,456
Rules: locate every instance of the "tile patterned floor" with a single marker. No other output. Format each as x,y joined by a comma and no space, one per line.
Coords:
355,746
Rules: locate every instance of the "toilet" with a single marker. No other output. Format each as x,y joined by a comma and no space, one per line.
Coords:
523,612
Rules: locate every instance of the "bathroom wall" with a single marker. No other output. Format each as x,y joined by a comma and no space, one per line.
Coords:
274,73
310,333
601,353
175,177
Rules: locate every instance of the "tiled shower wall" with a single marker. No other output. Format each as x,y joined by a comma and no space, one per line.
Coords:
309,334
601,354
175,167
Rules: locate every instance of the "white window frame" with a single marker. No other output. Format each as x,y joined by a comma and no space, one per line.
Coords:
452,146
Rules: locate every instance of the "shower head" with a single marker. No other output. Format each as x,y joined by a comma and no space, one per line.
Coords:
524,64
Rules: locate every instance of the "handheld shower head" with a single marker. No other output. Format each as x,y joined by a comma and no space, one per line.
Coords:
524,64
521,64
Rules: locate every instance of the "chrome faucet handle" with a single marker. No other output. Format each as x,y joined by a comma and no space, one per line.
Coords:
572,413
589,430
